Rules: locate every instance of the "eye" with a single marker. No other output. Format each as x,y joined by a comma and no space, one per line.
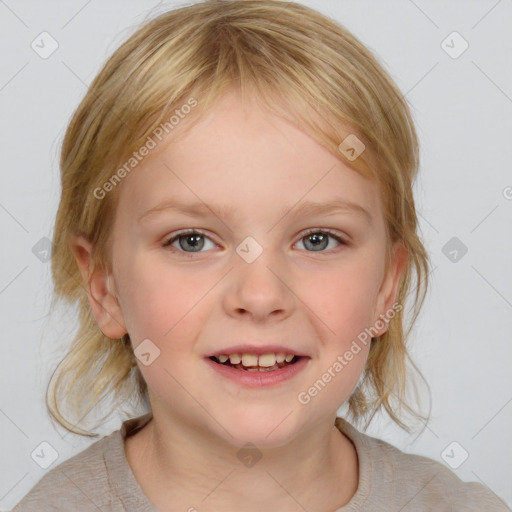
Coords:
318,240
191,239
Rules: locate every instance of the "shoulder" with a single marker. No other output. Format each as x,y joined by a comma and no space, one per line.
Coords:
414,482
79,483
425,482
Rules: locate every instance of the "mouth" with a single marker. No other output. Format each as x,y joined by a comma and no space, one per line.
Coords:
258,371
257,363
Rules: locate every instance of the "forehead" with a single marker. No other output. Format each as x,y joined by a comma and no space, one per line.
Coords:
243,158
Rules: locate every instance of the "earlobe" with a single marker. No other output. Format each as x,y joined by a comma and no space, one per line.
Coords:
390,285
100,290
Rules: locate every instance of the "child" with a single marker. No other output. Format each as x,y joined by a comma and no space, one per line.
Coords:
268,138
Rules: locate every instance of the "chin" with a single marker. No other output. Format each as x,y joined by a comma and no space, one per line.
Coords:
263,429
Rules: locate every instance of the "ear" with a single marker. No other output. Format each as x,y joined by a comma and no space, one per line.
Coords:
390,285
100,290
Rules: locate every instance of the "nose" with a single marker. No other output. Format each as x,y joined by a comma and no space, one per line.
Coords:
259,290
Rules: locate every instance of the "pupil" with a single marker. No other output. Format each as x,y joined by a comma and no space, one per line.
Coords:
193,240
319,240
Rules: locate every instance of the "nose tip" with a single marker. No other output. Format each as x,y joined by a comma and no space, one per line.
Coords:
259,291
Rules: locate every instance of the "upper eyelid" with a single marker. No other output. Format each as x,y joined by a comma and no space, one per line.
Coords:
189,231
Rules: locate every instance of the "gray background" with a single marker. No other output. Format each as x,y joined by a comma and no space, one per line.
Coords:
463,109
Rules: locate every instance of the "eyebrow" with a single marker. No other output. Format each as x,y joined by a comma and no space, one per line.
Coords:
303,209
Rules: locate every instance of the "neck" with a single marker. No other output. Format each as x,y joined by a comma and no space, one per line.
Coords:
185,467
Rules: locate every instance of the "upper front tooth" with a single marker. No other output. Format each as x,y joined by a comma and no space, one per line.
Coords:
249,360
264,360
267,360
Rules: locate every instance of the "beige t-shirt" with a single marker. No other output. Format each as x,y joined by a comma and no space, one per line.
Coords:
100,479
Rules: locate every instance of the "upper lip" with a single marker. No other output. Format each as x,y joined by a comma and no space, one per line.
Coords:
258,350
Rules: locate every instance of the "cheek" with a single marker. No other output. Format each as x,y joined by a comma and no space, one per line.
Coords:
159,303
343,298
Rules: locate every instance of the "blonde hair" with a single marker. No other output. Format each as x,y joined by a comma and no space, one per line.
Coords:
304,67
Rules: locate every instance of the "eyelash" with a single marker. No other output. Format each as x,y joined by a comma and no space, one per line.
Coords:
167,243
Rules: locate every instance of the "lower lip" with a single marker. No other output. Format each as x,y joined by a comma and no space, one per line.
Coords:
259,379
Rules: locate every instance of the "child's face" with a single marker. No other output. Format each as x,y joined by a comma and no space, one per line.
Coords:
193,300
